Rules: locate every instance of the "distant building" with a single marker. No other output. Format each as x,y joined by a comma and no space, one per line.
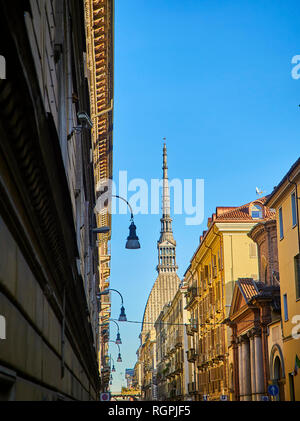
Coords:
163,291
129,376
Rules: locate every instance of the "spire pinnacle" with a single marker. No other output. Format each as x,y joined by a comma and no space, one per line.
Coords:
166,243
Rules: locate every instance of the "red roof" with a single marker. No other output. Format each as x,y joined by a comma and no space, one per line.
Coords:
243,213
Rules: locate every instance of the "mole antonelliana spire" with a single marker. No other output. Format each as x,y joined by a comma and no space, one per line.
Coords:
167,282
166,244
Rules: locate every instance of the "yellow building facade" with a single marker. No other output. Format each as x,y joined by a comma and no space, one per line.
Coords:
285,199
225,254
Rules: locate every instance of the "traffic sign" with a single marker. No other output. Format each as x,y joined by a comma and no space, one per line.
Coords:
265,398
105,397
223,398
205,397
273,390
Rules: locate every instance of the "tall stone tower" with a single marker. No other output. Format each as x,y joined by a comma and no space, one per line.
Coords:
167,282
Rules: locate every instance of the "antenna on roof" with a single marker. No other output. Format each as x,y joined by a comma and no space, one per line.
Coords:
259,192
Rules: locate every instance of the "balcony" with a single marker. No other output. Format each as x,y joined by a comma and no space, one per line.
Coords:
194,326
191,355
191,295
206,317
201,359
219,351
178,392
172,347
178,367
189,330
172,393
178,341
218,306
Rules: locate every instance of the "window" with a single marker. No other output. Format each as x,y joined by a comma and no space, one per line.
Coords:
294,209
280,223
256,212
285,308
297,274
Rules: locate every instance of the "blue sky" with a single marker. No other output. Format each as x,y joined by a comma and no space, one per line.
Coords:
214,77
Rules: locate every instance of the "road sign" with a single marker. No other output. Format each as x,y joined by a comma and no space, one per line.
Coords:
105,397
205,397
223,398
265,398
273,390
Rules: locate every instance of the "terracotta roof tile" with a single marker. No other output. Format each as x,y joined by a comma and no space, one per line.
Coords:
248,288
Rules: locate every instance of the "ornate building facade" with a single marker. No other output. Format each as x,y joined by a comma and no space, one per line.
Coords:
167,282
255,321
171,347
99,18
49,265
285,200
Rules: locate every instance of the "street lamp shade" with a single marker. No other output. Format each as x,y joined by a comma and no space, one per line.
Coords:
132,240
113,369
122,317
118,340
119,360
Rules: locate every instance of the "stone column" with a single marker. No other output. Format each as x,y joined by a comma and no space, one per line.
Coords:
241,381
246,369
259,372
253,368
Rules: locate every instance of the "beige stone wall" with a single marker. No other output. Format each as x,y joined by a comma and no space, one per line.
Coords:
32,347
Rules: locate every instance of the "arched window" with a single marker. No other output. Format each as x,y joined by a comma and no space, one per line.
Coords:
256,211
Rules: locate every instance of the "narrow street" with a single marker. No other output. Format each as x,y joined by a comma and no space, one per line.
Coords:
149,203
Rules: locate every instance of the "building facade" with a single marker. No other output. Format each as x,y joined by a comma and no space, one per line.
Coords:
171,356
49,264
225,253
285,200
